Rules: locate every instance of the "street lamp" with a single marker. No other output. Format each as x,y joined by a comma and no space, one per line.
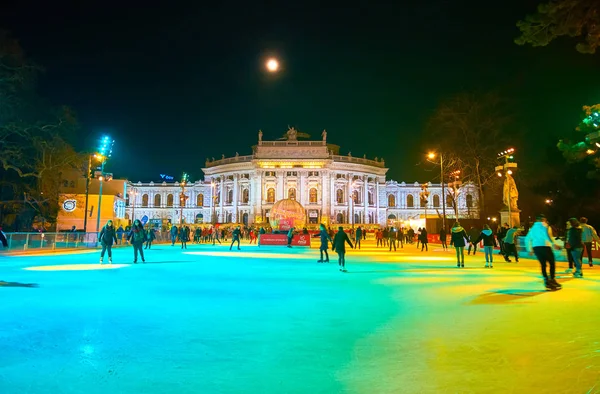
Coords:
213,186
87,189
353,199
272,65
431,156
182,197
507,155
104,154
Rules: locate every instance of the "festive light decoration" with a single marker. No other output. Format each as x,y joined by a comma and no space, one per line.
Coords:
286,214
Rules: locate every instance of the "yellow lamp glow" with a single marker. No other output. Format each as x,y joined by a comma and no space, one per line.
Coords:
272,65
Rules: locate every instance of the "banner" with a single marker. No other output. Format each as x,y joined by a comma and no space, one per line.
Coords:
281,239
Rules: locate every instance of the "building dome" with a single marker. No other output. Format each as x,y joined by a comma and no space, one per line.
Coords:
286,214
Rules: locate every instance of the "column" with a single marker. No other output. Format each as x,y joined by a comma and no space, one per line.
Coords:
365,199
236,197
300,197
280,187
331,196
221,198
325,197
377,206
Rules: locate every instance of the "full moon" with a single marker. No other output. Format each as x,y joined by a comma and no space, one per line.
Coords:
272,65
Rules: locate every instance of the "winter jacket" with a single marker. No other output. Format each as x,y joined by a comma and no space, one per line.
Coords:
443,235
511,234
151,236
325,239
539,235
339,242
574,237
502,233
487,236
137,235
358,234
588,233
107,235
423,237
290,233
459,237
174,231
236,234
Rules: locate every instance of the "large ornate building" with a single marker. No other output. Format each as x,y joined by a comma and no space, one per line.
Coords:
334,189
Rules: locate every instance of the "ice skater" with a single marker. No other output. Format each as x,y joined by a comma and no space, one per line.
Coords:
443,236
290,236
459,239
235,237
339,246
150,237
357,237
539,242
173,235
424,239
184,236
137,237
106,237
325,239
489,241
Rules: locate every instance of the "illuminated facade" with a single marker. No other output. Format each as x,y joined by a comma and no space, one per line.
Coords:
332,188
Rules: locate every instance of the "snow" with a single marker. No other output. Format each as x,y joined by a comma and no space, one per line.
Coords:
272,320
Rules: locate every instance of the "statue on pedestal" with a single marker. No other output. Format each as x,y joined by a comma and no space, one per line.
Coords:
324,135
260,134
292,134
510,194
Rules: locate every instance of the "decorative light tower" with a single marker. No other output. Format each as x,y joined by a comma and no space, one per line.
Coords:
105,152
182,197
510,213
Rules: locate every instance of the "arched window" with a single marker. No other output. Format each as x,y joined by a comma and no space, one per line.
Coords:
312,196
469,201
229,196
356,197
200,200
436,201
339,218
169,200
356,218
371,200
410,201
339,195
245,196
145,200
229,217
292,193
391,200
392,217
271,195
449,200
199,218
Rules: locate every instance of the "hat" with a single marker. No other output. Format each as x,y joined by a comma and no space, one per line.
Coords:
540,216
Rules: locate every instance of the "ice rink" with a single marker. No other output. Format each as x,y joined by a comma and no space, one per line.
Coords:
272,320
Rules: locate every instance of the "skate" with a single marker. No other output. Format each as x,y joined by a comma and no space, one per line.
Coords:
578,274
569,271
555,284
100,260
487,265
319,261
491,266
109,261
462,265
549,286
591,265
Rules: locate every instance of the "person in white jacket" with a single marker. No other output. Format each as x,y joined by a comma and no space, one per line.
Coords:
539,241
588,235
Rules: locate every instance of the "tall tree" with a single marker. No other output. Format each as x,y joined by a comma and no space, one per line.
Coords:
474,128
557,18
584,143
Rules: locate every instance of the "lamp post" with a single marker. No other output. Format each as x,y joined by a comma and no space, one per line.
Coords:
213,186
182,197
104,154
132,201
87,192
353,199
507,155
431,156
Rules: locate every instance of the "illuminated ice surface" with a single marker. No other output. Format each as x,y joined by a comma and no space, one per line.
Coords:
272,320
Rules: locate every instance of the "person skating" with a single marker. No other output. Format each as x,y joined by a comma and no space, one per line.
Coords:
588,235
137,237
424,240
575,241
290,236
173,235
325,239
539,241
149,238
459,239
120,233
260,233
235,237
183,236
501,234
510,243
473,234
106,237
358,236
443,239
568,250
392,238
3,239
216,237
489,241
339,245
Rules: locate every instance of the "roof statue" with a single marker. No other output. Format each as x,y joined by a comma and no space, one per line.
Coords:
260,134
292,134
324,135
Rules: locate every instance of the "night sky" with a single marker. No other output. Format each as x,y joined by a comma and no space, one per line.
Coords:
180,82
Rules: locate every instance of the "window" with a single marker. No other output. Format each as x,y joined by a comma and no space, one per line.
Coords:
229,217
355,178
313,173
145,200
436,201
218,198
292,193
391,201
371,200
449,201
356,218
229,196
245,176
170,200
341,176
340,218
199,218
292,173
157,200
65,183
245,196
469,201
410,201
269,173
392,217
200,200
271,195
356,197
312,196
230,178
339,195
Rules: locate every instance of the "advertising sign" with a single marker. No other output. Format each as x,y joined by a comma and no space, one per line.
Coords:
281,239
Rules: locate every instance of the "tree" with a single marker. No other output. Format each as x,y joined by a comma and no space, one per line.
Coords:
573,18
588,132
472,128
34,153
